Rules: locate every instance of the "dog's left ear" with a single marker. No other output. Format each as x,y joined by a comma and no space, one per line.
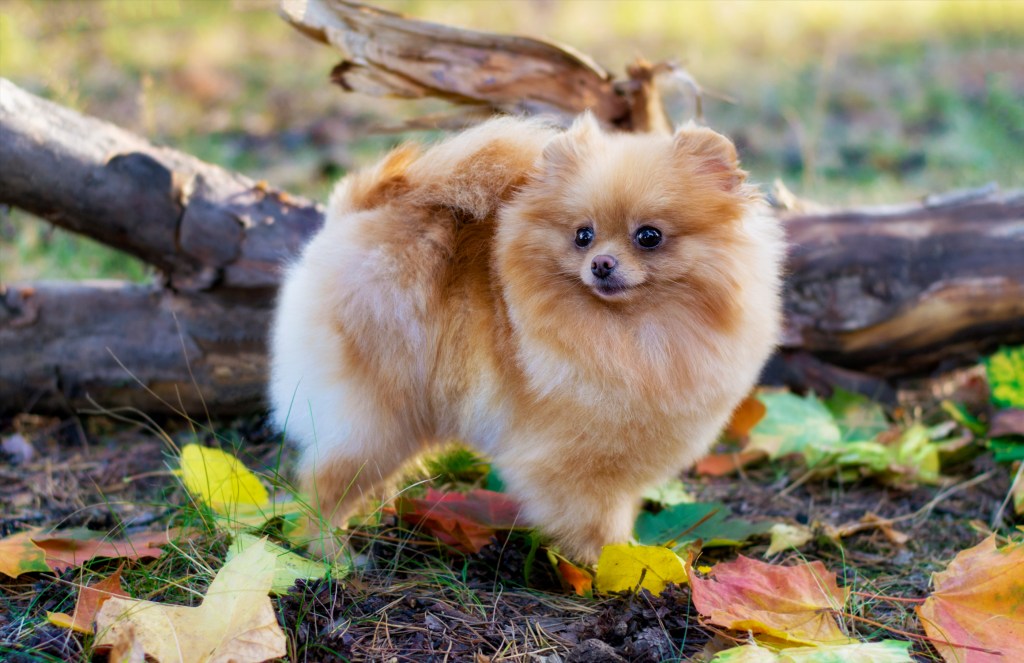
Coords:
712,154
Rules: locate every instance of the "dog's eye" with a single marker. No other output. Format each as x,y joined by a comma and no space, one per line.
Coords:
584,236
647,237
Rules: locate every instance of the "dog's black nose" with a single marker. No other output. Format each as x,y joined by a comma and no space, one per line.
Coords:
603,266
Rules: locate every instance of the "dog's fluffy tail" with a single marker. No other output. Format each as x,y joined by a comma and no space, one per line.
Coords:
470,174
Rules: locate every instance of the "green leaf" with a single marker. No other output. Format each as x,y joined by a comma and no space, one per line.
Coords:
494,481
960,415
668,494
793,424
1005,370
860,419
1006,450
288,566
680,524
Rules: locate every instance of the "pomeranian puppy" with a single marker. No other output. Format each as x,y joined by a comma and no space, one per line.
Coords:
586,308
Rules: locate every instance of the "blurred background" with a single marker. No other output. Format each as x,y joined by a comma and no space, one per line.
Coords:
846,102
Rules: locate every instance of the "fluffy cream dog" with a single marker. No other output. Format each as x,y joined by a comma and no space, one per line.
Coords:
586,308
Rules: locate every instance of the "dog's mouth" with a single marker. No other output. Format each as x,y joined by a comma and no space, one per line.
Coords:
610,289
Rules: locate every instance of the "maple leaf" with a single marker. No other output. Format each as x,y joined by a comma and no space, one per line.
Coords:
793,603
235,622
18,555
785,536
720,465
793,424
464,521
90,599
680,524
625,568
58,550
745,416
573,577
288,566
977,602
73,547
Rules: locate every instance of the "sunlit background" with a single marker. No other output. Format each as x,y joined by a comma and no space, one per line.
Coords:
846,102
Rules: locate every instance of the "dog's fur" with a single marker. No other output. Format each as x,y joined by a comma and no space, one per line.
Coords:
446,297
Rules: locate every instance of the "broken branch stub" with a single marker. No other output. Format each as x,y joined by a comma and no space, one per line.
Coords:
387,54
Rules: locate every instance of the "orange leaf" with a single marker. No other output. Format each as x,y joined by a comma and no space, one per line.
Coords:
74,547
720,465
978,602
465,522
581,582
88,604
745,416
19,555
794,603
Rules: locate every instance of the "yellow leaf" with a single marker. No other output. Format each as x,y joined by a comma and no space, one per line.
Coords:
219,479
235,622
786,536
625,568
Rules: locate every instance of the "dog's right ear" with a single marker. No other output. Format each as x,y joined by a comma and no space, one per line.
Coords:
564,150
713,154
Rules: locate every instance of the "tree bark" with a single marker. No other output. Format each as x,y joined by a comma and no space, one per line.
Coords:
202,226
887,291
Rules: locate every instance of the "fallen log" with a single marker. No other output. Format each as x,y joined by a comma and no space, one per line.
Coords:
887,291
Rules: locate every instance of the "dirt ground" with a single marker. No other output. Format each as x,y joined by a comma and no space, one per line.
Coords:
417,602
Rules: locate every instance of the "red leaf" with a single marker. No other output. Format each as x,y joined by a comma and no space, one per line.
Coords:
88,604
795,603
977,603
719,465
747,414
581,582
73,547
464,521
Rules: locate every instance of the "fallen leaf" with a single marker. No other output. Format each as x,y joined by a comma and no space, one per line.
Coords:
786,537
680,524
886,651
464,521
288,566
859,418
219,479
669,493
1007,422
127,648
73,547
18,555
579,580
720,465
292,516
978,602
90,598
792,424
1005,371
745,416
235,622
626,568
792,603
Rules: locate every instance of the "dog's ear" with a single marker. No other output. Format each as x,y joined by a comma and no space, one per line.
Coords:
711,155
564,150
